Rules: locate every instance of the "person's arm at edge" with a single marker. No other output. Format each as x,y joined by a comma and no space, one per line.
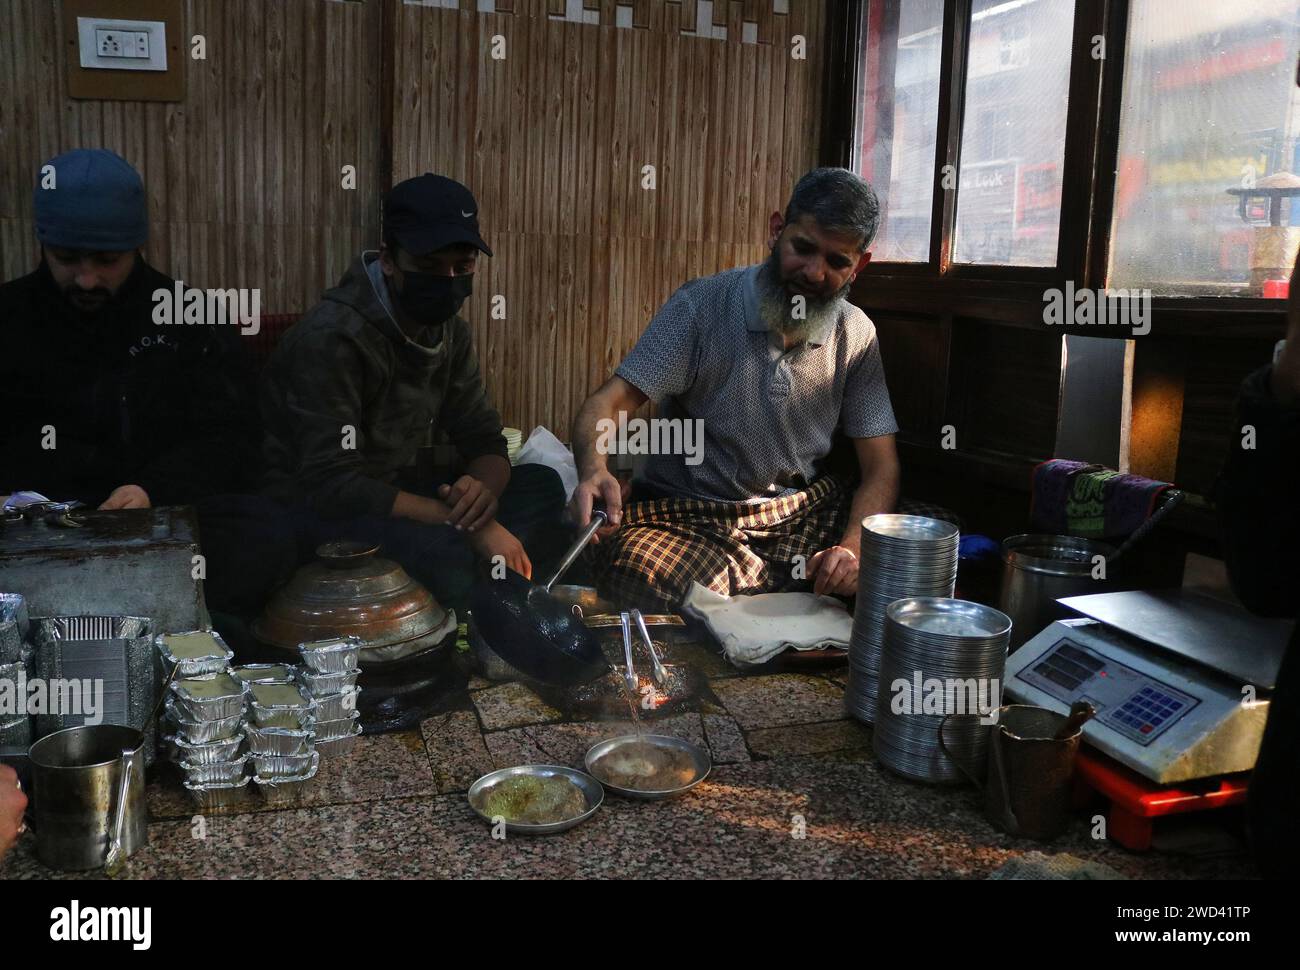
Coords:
595,482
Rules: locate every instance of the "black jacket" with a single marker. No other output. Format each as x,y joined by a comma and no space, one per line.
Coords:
1259,499
131,402
347,365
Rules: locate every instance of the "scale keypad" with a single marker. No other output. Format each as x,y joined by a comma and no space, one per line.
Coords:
1135,705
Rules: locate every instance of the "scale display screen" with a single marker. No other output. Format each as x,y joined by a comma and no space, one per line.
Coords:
1136,705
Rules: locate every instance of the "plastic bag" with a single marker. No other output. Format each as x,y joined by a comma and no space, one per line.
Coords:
543,448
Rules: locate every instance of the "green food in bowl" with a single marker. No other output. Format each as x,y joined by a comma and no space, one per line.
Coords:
533,800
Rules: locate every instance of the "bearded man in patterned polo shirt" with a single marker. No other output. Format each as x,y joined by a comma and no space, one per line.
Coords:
771,362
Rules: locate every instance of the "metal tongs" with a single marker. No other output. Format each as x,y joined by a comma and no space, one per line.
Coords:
629,676
660,674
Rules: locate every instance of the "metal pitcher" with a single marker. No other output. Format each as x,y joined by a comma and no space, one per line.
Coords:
1027,792
87,792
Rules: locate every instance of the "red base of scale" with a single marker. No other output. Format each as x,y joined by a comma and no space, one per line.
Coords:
1136,802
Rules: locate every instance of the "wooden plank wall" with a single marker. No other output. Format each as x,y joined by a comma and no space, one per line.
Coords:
243,176
553,138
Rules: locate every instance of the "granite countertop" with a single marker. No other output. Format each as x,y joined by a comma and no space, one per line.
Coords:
795,793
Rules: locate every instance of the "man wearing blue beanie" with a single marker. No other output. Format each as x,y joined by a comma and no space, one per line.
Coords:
97,401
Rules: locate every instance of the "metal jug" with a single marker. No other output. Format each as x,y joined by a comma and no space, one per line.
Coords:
86,794
1027,792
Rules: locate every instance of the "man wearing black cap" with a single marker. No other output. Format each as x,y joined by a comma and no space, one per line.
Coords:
97,402
359,384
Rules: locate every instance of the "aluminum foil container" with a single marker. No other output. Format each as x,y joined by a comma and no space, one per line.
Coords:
212,663
264,673
339,747
182,750
336,656
318,685
273,766
202,732
116,650
228,703
336,707
216,773
333,730
16,732
277,741
13,606
212,798
291,717
286,791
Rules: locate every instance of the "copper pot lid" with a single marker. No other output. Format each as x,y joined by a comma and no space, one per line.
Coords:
350,591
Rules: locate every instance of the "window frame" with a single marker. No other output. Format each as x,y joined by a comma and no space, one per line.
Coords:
1013,294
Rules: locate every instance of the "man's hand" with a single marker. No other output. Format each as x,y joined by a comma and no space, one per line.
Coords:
834,571
12,805
473,504
1286,372
495,540
126,497
599,488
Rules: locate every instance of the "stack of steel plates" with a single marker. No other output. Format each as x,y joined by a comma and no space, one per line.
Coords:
942,657
901,556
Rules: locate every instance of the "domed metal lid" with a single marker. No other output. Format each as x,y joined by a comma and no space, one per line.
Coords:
350,591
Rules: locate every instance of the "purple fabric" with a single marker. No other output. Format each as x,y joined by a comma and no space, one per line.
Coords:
1127,500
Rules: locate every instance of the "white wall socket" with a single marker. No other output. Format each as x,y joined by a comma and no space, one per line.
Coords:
122,45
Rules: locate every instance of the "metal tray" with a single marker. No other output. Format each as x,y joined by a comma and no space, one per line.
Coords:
336,707
203,732
339,747
591,791
192,667
273,766
335,656
291,717
217,708
212,798
277,741
319,684
703,764
216,772
264,673
183,751
333,730
287,791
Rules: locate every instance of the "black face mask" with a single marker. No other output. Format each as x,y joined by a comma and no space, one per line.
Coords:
430,299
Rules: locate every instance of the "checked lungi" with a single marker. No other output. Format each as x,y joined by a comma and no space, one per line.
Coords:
666,544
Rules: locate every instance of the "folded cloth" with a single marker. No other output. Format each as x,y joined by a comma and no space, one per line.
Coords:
754,629
1090,501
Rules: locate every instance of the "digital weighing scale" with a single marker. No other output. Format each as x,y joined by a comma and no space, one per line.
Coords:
1168,674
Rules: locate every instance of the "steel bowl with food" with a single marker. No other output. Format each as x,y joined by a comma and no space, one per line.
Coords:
536,799
648,766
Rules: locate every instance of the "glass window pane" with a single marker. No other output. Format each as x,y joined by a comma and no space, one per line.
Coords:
1013,132
1210,104
897,120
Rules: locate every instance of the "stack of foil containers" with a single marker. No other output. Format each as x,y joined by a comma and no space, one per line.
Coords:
901,556
15,665
204,721
329,674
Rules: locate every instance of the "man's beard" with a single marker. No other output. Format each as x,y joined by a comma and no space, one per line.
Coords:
776,303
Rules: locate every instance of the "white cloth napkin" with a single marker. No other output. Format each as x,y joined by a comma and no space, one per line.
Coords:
754,629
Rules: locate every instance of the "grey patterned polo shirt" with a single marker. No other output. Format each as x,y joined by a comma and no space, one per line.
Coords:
768,417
